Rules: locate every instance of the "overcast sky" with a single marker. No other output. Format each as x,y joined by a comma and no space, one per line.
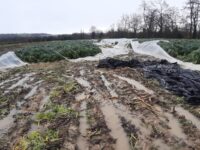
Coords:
64,16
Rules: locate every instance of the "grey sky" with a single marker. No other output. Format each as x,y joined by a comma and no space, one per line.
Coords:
64,16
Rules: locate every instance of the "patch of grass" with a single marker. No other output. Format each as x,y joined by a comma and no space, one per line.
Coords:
36,140
179,100
57,50
69,87
56,92
56,111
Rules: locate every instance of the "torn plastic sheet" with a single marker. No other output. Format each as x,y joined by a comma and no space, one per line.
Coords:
10,60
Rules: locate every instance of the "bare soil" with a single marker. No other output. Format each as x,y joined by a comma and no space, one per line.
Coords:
106,109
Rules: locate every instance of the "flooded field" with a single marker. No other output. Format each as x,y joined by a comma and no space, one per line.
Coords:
72,105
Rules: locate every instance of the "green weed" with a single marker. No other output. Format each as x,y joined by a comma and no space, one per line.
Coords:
56,111
36,140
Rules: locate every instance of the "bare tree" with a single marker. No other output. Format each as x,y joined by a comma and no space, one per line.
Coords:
172,18
194,7
135,23
162,8
93,31
149,18
124,23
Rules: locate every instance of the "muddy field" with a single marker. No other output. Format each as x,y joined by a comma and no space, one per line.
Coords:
75,105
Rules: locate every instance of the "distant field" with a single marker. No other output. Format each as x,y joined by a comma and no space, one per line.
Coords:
57,50
186,50
183,49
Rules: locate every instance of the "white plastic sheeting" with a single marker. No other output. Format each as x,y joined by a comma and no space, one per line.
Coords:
10,60
115,47
109,48
153,49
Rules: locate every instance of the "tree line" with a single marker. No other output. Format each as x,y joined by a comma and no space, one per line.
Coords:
159,20
156,20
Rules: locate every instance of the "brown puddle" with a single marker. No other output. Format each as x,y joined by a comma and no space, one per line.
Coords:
175,126
189,116
114,124
9,80
82,72
7,122
44,102
173,123
107,84
160,145
82,141
134,119
22,81
135,84
80,97
83,82
31,93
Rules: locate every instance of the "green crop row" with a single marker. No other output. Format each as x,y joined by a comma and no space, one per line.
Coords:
58,50
186,50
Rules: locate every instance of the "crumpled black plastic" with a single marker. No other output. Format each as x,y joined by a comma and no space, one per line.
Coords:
182,82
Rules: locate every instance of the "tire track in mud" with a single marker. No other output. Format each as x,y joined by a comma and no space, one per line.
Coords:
127,118
136,121
18,122
83,127
163,131
112,120
154,129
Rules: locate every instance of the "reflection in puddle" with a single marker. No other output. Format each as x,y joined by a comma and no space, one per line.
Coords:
31,93
82,142
189,116
175,126
22,81
113,123
123,112
80,97
7,122
82,72
107,84
83,82
44,102
160,145
9,80
135,84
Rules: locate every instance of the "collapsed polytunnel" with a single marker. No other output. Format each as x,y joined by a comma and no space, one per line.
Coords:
10,60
